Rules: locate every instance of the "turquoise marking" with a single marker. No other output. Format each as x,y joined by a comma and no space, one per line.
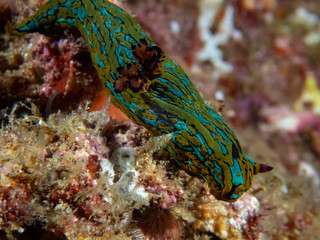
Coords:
237,178
217,168
215,177
223,135
88,35
51,11
223,148
82,13
30,25
235,196
99,62
172,152
106,13
71,22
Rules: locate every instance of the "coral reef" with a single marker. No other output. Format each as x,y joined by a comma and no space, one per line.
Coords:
68,171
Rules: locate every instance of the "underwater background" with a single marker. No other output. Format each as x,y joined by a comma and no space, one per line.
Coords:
73,166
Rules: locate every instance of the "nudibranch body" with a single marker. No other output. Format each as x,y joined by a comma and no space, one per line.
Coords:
153,91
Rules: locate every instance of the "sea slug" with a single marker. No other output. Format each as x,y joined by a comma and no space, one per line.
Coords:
153,91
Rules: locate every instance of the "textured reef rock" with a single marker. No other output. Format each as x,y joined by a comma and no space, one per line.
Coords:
68,172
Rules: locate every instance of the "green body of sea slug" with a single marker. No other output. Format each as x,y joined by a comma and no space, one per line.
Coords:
153,91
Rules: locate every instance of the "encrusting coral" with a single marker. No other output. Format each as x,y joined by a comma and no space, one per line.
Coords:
59,171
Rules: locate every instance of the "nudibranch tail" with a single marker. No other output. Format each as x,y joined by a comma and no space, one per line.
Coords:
153,91
42,21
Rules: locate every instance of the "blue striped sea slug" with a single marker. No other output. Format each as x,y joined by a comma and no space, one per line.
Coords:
153,91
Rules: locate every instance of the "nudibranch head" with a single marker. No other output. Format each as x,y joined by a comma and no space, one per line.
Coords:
231,181
228,172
